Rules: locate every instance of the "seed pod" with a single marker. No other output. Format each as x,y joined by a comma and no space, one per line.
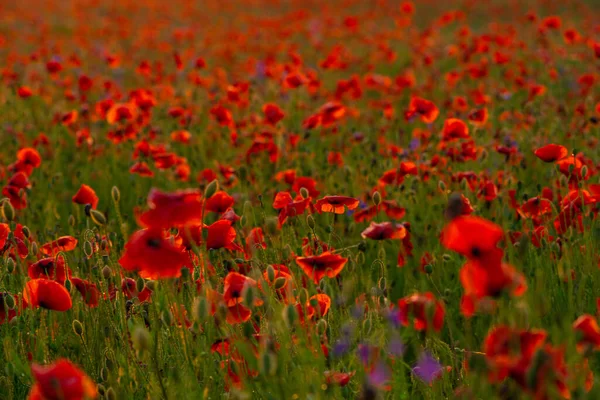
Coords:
377,198
98,218
8,211
77,328
115,194
106,272
211,189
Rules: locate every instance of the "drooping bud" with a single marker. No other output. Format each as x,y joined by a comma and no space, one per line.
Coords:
98,217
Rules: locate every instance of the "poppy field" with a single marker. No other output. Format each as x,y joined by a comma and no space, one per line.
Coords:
285,199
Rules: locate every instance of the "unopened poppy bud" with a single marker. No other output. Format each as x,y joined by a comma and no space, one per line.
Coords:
303,296
88,249
442,186
271,273
321,326
249,296
151,285
110,394
139,284
68,285
141,339
304,192
428,269
200,309
584,171
329,229
26,232
77,328
98,218
362,246
71,220
377,198
9,301
271,225
211,189
10,265
310,221
290,315
268,363
115,194
279,283
8,211
103,374
382,284
446,257
101,389
106,272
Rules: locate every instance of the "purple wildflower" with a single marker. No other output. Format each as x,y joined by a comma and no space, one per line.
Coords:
427,368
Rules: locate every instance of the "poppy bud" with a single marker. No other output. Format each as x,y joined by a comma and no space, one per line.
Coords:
139,284
26,232
249,297
382,284
103,374
101,389
141,339
279,283
34,248
68,285
9,301
446,257
211,189
98,218
200,309
271,273
290,315
71,220
377,198
10,265
303,296
329,229
151,285
310,221
8,211
428,269
304,193
268,363
584,171
77,328
271,226
106,272
110,394
321,326
88,249
442,186
115,194
362,246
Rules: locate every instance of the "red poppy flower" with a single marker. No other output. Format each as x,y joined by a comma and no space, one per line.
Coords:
218,202
4,231
323,303
154,256
255,240
24,92
129,289
384,230
63,243
61,380
326,264
471,236
535,207
234,287
47,294
180,208
339,378
336,204
420,307
142,169
479,117
88,290
454,129
425,109
288,207
86,195
53,268
7,314
236,314
273,114
308,183
552,152
587,326
221,235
